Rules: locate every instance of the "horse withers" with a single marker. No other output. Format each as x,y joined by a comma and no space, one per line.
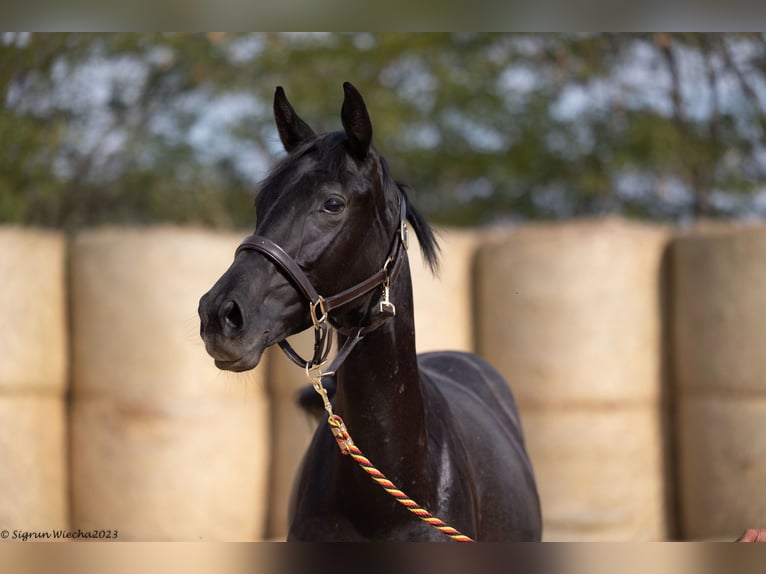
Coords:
329,251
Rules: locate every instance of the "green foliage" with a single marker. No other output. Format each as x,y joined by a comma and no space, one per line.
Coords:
485,127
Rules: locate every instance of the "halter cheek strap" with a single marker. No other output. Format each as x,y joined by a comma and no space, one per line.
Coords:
320,307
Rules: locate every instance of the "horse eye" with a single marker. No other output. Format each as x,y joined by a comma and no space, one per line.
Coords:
333,204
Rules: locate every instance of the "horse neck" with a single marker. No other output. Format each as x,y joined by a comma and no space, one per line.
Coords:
379,394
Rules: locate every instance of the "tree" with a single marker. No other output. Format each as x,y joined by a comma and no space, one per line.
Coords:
486,127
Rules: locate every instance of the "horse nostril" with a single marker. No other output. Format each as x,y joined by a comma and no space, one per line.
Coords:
231,318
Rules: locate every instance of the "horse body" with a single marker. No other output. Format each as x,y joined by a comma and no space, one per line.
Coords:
444,426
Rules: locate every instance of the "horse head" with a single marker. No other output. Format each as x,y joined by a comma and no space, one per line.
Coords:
332,208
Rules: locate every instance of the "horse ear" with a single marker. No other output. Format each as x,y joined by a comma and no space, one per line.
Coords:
293,131
356,122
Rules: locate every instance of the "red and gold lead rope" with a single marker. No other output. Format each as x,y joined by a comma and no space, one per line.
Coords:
347,447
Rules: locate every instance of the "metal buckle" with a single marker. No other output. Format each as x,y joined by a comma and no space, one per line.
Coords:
317,321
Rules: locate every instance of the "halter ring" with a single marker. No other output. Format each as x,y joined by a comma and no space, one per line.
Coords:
317,321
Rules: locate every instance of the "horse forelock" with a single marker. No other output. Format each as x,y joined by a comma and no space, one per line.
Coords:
328,155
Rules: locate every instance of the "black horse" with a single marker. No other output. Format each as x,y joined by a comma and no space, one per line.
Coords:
442,426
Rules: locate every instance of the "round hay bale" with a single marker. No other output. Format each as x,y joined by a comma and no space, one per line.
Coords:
571,315
719,325
33,340
182,469
722,470
33,473
164,445
291,429
443,303
135,329
597,471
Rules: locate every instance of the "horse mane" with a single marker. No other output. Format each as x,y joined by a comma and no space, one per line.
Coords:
429,246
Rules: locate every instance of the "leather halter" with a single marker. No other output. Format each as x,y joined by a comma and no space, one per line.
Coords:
320,307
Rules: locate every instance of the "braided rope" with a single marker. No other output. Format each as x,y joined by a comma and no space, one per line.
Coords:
347,447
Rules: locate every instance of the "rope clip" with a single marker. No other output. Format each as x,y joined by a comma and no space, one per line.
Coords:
386,307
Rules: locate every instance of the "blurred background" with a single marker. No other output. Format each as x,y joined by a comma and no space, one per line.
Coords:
486,127
598,198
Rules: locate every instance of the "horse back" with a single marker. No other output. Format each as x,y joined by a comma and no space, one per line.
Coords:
471,410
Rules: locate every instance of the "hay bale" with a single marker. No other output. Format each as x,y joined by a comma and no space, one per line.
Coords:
570,314
443,303
33,477
184,469
164,446
33,345
597,471
135,330
640,557
722,456
33,377
719,320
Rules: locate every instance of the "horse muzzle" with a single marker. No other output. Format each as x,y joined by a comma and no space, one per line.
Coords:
223,330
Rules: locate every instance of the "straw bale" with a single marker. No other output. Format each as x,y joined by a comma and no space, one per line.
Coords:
572,311
443,313
135,294
33,344
722,464
182,469
719,325
33,473
719,311
599,472
571,315
164,446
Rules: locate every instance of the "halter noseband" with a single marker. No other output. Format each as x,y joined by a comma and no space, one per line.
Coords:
320,307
